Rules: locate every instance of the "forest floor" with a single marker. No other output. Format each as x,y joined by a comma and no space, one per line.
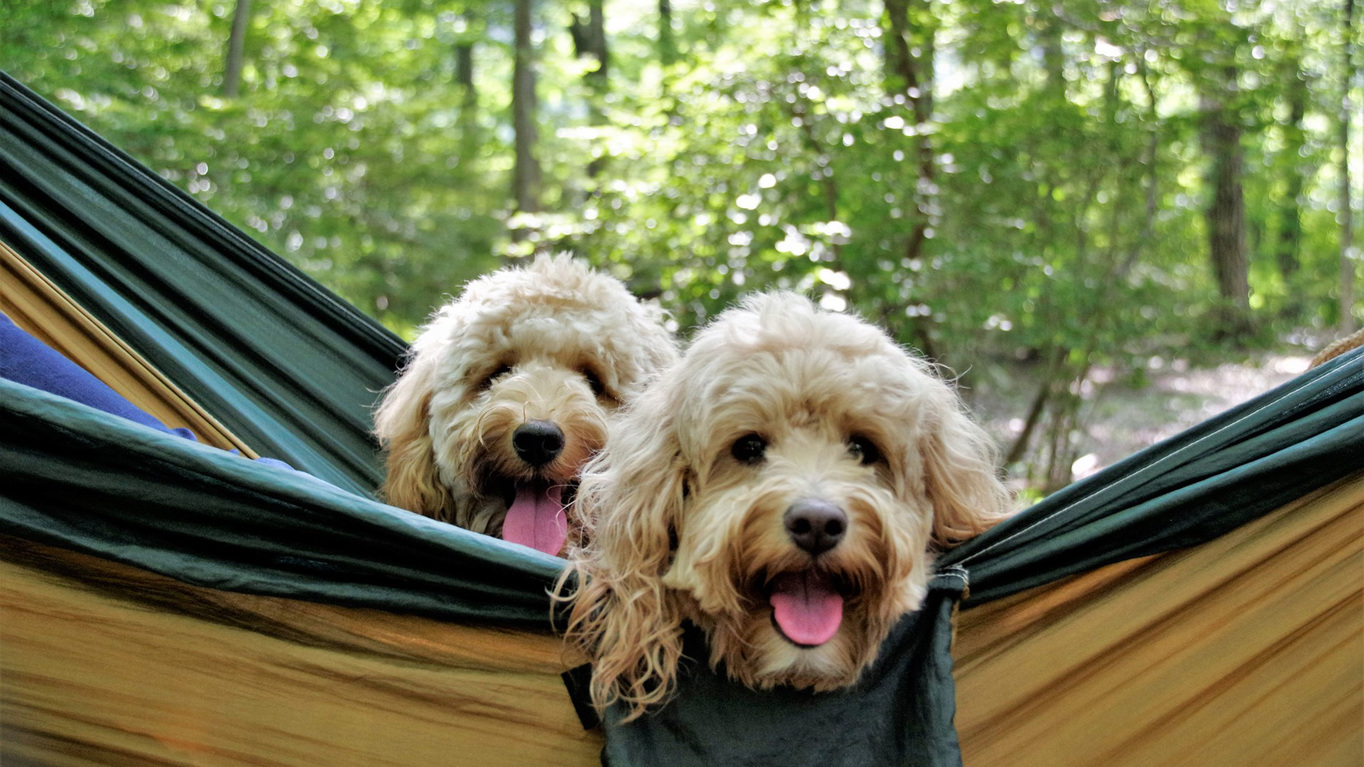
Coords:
1119,418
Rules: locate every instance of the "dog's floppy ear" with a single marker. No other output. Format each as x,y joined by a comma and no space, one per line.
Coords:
401,423
630,498
960,473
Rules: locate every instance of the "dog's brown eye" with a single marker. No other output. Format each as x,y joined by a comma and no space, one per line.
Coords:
594,382
863,450
748,449
493,376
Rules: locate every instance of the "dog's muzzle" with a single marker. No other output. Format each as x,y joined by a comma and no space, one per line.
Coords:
807,604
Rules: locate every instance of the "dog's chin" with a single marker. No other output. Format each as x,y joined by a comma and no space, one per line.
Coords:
761,654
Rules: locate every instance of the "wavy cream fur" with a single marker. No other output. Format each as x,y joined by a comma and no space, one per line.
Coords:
678,529
446,423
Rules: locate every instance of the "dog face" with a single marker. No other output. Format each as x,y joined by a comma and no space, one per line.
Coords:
782,488
507,393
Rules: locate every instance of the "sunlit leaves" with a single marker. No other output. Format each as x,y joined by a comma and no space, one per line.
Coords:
770,147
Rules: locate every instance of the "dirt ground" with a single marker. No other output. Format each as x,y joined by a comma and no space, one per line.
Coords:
1120,419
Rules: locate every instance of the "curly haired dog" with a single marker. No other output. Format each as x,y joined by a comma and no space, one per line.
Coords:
506,394
783,488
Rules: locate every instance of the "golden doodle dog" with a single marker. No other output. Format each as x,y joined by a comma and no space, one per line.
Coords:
783,488
507,392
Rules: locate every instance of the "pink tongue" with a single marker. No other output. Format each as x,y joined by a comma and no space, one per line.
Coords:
536,519
806,607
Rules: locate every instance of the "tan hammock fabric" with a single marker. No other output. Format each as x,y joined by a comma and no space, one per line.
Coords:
48,314
103,664
1248,650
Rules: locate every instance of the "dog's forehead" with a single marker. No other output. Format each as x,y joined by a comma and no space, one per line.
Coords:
757,388
557,340
546,322
813,362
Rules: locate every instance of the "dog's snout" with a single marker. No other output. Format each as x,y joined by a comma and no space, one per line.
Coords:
815,525
538,442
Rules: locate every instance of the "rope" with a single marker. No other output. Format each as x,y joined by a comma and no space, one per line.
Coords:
1338,348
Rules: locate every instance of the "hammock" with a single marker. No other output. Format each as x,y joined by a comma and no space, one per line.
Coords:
95,509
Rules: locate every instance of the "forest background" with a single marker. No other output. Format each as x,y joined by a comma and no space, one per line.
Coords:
1046,197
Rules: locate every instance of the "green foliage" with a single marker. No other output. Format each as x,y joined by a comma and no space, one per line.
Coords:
1047,204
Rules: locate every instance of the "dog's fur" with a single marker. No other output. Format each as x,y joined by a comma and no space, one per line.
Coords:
682,529
553,342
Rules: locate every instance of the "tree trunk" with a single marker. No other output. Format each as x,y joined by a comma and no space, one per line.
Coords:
799,108
1290,211
1225,215
1053,54
464,71
1151,180
526,172
1347,214
236,46
589,42
464,61
470,137
909,73
667,42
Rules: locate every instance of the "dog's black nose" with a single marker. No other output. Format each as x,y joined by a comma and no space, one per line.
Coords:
538,442
815,525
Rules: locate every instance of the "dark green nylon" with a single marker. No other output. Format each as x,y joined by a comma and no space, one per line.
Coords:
1186,490
293,370
83,479
280,361
899,714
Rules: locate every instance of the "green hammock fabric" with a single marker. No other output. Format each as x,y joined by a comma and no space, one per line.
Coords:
81,478
280,361
289,367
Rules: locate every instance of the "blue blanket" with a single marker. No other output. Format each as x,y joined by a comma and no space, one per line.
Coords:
26,360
